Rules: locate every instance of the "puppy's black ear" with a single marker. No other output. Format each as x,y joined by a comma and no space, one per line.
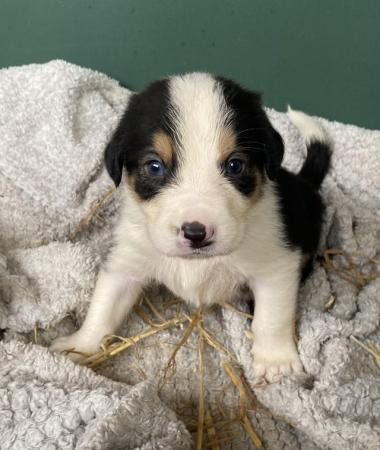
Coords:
274,152
114,159
253,125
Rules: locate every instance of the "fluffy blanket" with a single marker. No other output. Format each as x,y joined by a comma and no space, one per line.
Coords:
55,119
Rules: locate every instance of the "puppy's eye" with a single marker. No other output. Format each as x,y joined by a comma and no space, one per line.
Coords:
155,168
234,166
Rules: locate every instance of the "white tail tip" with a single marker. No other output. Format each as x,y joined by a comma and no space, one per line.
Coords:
307,126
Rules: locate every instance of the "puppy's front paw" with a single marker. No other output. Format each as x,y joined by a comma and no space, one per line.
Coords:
76,345
271,363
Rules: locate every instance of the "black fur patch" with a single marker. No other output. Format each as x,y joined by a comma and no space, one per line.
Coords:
317,163
255,134
301,204
301,208
131,144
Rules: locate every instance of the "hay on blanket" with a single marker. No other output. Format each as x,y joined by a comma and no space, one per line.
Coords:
204,421
370,348
213,342
354,275
201,404
170,367
351,272
211,431
251,432
242,313
247,401
154,310
94,212
330,303
111,349
249,334
82,225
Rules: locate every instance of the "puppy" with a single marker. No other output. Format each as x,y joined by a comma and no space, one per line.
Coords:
207,208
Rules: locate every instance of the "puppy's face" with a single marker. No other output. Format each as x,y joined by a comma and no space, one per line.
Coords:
196,151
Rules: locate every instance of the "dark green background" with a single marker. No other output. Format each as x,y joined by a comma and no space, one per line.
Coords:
318,55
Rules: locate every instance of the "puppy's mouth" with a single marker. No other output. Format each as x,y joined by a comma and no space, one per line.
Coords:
205,249
209,250
200,245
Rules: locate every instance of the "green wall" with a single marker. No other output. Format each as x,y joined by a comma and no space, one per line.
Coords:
322,56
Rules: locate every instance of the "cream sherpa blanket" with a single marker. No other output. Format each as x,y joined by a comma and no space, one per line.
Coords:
55,119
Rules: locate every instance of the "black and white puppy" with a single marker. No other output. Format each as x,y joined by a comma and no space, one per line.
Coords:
207,208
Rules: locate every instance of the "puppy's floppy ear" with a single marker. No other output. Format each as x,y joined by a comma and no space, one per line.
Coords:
114,158
274,152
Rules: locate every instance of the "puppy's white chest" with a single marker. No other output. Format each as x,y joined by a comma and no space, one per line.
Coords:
199,281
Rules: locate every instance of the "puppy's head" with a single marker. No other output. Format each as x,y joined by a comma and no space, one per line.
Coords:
196,151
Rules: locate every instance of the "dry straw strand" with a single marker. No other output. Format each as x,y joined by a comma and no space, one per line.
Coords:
171,302
351,273
154,310
236,310
143,316
251,432
213,342
114,349
249,334
201,402
82,225
246,398
370,348
94,211
330,303
245,392
194,320
211,431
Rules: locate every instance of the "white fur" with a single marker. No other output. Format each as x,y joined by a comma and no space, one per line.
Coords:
248,249
307,126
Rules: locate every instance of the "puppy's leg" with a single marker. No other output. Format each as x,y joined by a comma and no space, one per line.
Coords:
274,350
114,295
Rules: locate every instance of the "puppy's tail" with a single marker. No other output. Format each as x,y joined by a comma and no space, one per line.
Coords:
318,157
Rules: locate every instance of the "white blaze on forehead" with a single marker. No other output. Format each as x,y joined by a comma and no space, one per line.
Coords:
201,116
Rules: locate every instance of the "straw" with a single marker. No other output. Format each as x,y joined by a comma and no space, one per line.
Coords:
201,403
246,398
94,210
114,349
212,341
211,432
251,432
330,303
154,310
233,308
370,348
351,273
171,363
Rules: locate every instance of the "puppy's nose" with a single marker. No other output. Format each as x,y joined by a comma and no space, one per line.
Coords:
194,232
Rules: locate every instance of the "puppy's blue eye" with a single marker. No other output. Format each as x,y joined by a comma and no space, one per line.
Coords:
234,166
155,168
